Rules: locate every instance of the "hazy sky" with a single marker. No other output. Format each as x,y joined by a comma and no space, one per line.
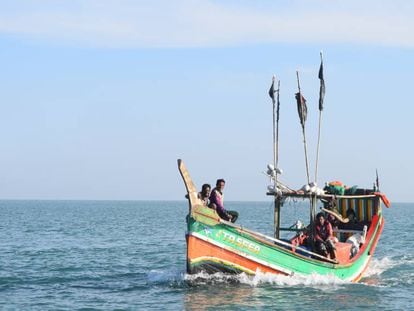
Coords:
98,98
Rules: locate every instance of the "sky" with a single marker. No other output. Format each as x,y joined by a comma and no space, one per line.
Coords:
99,98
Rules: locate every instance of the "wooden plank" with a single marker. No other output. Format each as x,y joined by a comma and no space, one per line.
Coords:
336,215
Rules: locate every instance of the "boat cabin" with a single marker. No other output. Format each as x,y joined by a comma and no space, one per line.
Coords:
352,226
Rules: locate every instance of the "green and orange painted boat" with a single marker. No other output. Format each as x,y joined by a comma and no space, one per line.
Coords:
215,245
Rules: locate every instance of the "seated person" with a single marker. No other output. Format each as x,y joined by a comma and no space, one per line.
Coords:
216,202
330,204
323,237
204,194
332,220
350,214
353,223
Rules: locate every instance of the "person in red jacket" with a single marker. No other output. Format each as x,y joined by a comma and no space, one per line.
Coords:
323,237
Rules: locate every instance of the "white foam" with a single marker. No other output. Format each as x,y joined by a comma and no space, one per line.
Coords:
374,270
374,274
295,280
165,276
378,266
205,278
261,278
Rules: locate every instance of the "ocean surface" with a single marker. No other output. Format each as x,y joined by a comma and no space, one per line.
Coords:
130,255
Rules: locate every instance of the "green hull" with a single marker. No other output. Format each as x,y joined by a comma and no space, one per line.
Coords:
216,247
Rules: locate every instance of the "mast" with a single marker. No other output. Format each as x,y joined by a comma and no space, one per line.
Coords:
302,110
277,131
321,97
277,198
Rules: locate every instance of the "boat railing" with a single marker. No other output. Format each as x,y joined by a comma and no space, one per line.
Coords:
302,250
363,232
321,196
292,229
349,231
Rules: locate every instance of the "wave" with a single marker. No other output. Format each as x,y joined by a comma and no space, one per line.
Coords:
390,271
262,278
379,272
379,266
295,280
177,277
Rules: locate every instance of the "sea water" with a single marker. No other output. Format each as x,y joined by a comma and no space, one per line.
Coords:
130,255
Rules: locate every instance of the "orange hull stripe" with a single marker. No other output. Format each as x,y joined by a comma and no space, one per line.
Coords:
198,248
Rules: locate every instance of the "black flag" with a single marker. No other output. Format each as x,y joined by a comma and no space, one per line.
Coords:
302,108
272,90
322,87
278,102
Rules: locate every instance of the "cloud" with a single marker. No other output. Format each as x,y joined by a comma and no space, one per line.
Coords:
202,23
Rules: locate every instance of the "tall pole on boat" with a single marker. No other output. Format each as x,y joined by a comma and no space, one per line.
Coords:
321,97
272,92
377,187
277,131
303,111
278,198
276,109
277,202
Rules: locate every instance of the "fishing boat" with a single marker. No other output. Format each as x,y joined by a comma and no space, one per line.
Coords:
216,245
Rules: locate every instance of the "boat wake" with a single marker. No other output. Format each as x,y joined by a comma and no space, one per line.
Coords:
296,280
180,278
168,277
379,273
378,266
389,271
261,278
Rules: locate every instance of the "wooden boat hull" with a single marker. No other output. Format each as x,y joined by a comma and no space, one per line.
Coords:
218,247
214,245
